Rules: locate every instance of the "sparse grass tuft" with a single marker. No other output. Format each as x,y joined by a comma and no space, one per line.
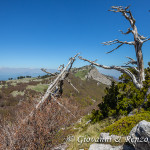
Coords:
121,127
81,74
16,93
83,130
38,88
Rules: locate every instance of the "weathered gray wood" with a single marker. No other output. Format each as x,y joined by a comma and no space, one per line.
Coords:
72,85
44,70
63,106
61,76
138,40
118,68
137,43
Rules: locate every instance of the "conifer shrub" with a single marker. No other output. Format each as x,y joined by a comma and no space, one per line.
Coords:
125,125
123,97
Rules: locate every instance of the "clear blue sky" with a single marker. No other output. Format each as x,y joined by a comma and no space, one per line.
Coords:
45,33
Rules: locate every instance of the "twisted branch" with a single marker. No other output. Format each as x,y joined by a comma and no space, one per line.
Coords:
118,68
116,41
63,74
72,85
132,68
44,70
146,40
129,31
132,61
125,12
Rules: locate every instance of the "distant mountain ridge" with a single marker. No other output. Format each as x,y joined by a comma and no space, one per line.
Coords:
91,72
82,72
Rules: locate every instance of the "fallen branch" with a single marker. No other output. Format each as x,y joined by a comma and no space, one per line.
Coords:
62,106
63,74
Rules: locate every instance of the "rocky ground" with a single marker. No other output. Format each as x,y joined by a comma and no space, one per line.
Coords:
91,72
138,139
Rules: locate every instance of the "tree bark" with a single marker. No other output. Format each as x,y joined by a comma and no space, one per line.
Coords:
140,63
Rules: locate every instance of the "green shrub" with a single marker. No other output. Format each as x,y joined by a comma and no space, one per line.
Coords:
122,98
124,125
96,116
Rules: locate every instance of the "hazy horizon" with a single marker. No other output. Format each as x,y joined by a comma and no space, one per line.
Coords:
7,72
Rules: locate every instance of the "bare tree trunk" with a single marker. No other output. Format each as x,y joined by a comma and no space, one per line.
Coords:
140,63
64,72
139,77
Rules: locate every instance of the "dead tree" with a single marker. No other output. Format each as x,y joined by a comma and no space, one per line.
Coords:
27,129
137,43
44,70
54,88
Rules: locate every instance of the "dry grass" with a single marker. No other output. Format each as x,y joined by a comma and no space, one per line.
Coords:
44,130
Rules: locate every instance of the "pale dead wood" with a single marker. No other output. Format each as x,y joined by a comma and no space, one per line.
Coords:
135,68
116,41
118,68
61,105
146,40
137,43
68,81
54,86
44,70
128,31
61,67
138,39
132,61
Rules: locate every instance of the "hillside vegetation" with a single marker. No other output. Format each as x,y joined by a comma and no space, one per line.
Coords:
119,112
97,107
19,97
13,92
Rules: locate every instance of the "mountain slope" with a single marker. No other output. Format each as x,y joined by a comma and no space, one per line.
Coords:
91,72
19,97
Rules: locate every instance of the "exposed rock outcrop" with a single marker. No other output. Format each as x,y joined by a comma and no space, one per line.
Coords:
105,137
96,75
139,136
139,139
104,147
110,147
60,147
91,72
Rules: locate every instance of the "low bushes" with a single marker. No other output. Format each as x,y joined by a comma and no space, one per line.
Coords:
124,125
